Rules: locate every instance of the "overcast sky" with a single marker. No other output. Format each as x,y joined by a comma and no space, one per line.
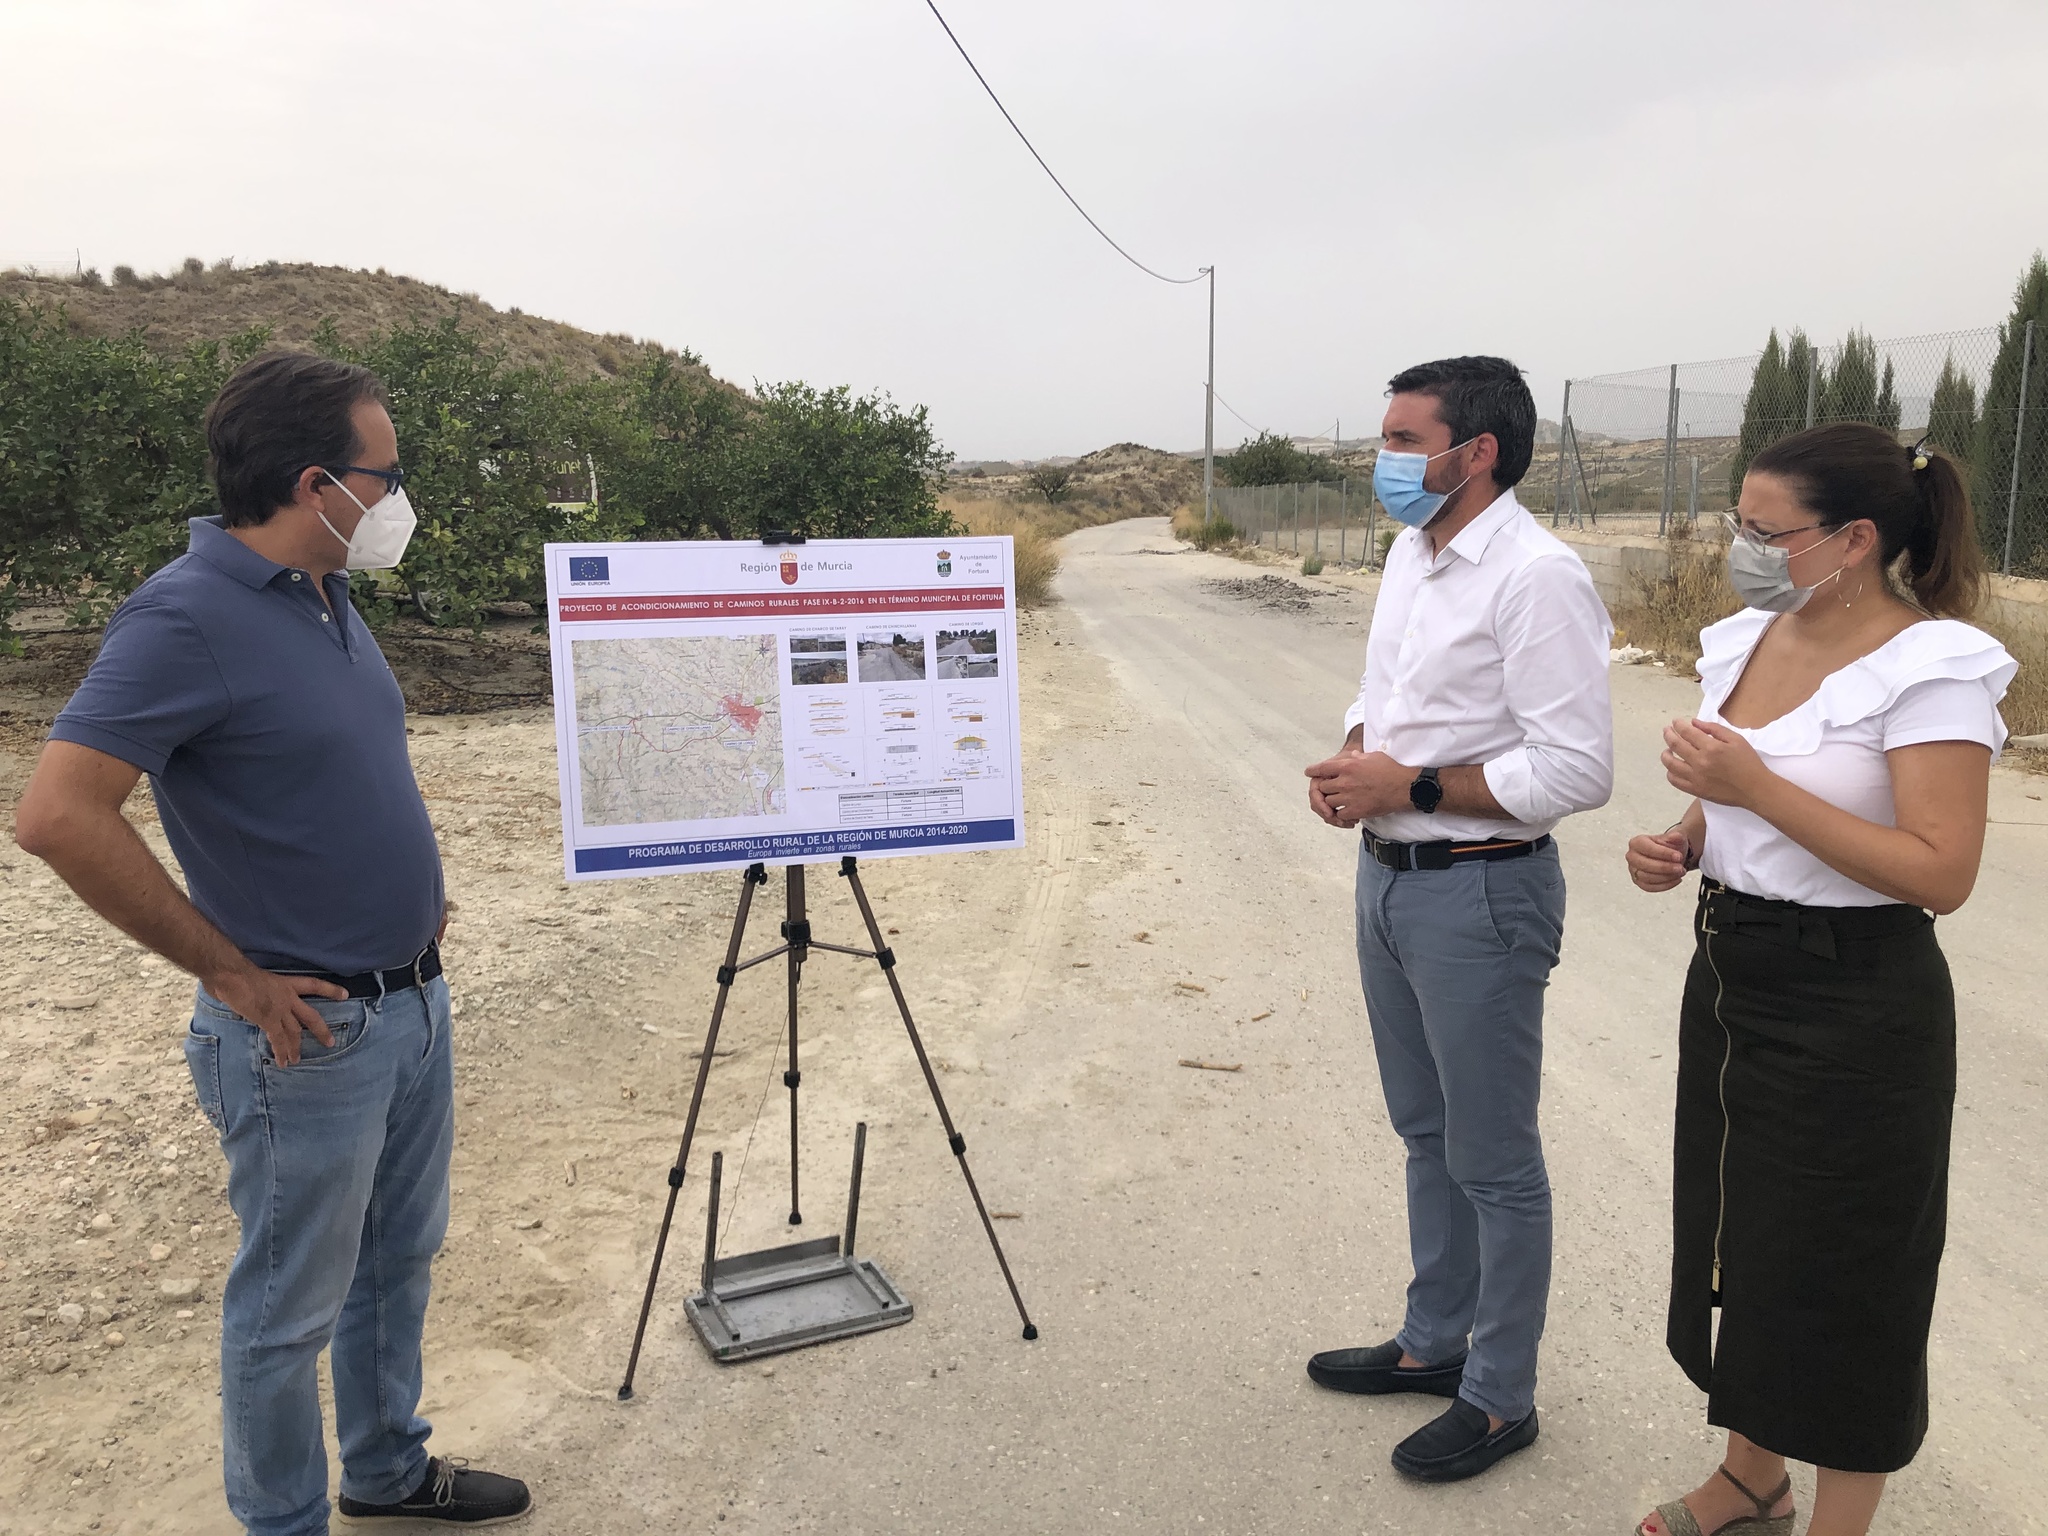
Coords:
818,189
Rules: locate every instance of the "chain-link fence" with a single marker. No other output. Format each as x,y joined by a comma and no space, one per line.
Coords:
1640,449
1336,519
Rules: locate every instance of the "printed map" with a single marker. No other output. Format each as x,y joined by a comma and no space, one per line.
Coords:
678,729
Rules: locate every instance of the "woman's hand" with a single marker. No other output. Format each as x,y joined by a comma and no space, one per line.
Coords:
1657,861
1712,762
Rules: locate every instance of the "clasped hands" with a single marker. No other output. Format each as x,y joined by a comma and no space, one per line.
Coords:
1346,789
1710,762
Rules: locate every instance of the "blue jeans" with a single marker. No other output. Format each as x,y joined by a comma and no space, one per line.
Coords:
338,1171
1455,962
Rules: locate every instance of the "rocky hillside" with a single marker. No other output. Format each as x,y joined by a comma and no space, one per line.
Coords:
1122,480
200,302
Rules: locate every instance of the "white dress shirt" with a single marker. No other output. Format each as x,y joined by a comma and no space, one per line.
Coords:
1938,680
1492,651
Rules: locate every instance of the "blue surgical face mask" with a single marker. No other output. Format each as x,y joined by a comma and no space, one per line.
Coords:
1397,481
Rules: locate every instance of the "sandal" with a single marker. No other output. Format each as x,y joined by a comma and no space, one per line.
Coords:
1679,1519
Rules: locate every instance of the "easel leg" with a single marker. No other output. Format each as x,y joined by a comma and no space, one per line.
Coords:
850,869
796,928
756,875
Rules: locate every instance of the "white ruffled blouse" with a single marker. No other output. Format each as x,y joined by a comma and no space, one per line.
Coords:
1939,680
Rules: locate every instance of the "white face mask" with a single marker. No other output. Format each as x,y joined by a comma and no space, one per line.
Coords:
1762,575
380,538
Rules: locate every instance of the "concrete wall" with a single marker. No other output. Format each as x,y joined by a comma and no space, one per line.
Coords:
2015,605
1613,558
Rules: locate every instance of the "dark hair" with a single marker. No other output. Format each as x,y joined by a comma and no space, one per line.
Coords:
1927,536
278,413
1475,395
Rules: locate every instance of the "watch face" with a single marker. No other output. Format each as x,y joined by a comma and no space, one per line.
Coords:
1425,794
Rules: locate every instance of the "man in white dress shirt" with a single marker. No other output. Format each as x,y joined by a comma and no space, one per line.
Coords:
1481,722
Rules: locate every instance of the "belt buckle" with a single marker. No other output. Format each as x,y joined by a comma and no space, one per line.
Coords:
418,961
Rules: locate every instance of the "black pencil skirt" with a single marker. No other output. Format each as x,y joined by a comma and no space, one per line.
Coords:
1816,1084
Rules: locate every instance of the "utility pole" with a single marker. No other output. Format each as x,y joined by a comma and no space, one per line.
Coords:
1670,458
1564,422
1209,414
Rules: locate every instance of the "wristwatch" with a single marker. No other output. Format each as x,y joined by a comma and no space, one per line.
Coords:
1426,794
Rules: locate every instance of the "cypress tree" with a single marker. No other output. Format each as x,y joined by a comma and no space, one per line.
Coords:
1952,413
1763,411
1848,390
1888,400
1998,427
1805,379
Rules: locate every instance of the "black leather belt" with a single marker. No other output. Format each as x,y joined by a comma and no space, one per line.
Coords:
376,983
1443,855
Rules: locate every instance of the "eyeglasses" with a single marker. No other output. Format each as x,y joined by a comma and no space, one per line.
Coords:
394,479
1757,540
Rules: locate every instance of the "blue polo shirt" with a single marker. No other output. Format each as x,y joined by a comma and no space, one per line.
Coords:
273,734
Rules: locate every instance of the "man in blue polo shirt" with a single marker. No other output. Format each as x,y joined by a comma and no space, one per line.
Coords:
273,733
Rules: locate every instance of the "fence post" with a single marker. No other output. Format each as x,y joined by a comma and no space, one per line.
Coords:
1664,507
1372,548
1297,517
1343,516
1319,519
1692,498
1563,417
1812,380
2019,441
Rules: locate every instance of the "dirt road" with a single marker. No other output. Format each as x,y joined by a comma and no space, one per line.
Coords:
1184,1237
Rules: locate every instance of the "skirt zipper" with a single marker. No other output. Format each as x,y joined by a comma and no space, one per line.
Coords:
1721,1088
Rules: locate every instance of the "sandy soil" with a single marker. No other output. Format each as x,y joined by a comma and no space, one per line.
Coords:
1183,1237
579,1017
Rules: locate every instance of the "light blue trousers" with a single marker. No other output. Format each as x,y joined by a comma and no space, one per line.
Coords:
338,1170
1455,963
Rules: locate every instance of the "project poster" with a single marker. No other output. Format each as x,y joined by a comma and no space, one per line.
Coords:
725,704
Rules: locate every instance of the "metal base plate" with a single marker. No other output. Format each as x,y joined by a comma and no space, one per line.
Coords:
784,1298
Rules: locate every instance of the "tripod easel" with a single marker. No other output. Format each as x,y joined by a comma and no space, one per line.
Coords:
796,945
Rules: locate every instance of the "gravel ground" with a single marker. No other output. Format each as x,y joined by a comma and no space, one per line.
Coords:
1184,1237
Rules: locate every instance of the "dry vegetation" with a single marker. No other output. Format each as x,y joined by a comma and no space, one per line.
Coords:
1124,480
1037,560
203,303
1667,614
1190,527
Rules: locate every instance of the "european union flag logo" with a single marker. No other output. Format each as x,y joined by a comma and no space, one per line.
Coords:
590,568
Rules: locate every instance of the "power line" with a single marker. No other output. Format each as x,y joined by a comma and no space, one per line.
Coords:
1237,413
992,96
1257,428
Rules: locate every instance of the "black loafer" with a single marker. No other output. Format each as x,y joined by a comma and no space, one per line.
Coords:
1458,1444
451,1495
1378,1371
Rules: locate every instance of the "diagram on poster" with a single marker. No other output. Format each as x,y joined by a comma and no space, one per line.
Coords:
723,704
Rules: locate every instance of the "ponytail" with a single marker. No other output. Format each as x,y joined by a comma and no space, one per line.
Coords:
1942,564
1915,497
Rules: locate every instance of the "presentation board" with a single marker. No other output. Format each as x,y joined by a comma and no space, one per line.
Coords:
725,704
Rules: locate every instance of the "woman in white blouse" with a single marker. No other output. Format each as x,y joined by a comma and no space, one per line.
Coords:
1840,762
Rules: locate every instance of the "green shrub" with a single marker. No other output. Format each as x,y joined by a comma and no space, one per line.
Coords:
102,460
1270,459
1311,564
1189,525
